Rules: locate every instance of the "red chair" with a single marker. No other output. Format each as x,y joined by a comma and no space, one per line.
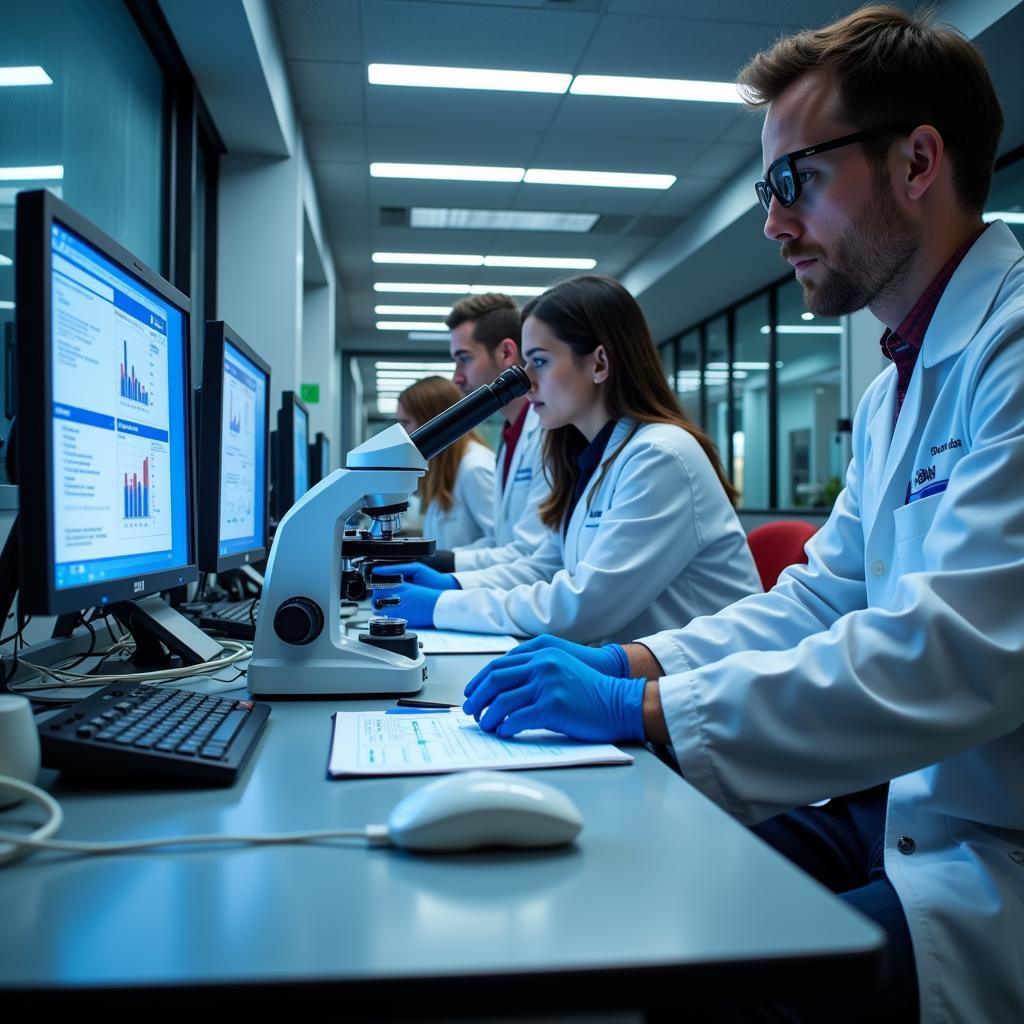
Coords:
777,545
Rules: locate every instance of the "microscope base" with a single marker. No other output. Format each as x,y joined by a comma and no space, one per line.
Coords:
280,677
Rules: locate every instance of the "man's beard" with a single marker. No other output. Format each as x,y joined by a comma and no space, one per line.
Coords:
871,258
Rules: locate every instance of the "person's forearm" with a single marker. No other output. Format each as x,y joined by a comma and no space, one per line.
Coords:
655,728
642,664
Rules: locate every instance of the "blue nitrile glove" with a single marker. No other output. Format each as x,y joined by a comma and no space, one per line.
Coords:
421,575
550,689
610,660
416,604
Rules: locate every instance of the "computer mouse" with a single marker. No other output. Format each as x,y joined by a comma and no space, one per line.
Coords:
467,810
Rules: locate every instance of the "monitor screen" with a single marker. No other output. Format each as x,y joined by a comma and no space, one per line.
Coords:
243,456
300,440
119,394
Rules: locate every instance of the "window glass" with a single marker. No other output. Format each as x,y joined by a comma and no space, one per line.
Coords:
750,402
1007,197
810,454
716,375
94,134
687,384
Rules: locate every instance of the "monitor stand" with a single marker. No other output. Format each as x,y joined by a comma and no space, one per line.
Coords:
163,637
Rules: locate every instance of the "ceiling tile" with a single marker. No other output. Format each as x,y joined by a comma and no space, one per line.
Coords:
453,144
327,91
646,119
320,29
334,141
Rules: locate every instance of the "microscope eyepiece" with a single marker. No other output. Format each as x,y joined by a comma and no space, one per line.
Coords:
462,417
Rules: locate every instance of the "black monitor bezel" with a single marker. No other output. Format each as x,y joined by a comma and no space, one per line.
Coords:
285,483
316,457
36,212
216,334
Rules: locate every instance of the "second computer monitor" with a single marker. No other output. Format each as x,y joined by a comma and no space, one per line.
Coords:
234,452
319,458
292,453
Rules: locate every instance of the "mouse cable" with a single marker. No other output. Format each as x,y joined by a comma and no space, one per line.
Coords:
17,844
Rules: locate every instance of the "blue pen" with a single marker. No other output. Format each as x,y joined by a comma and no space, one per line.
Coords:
417,711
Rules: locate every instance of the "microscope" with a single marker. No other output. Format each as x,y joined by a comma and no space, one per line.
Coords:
301,648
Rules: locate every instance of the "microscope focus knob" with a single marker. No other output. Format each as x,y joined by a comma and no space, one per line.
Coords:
299,620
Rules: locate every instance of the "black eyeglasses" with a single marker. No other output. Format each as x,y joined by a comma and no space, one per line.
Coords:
783,180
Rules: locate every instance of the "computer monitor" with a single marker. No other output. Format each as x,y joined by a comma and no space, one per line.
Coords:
319,458
292,451
234,451
106,503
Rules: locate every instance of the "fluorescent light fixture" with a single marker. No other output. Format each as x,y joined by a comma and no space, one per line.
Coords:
723,367
423,336
5,261
1008,216
506,289
410,325
427,77
438,367
806,316
429,258
541,262
500,220
6,304
655,88
600,179
31,75
446,172
804,329
49,172
386,405
467,260
412,310
413,288
396,375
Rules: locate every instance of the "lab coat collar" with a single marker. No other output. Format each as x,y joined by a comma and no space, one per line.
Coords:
968,298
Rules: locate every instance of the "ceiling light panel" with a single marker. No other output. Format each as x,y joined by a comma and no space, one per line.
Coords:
541,262
1007,216
48,172
429,258
598,179
428,77
410,325
32,75
446,172
467,260
655,88
412,310
500,220
390,364
421,288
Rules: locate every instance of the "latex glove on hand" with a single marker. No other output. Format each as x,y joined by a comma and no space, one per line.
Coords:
419,574
550,689
610,660
416,604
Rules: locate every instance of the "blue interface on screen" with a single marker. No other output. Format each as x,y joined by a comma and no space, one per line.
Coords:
301,433
242,453
120,446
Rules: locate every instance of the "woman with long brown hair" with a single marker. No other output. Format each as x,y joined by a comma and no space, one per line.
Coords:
644,533
457,492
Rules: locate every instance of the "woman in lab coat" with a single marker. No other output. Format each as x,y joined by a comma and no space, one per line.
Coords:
457,493
643,530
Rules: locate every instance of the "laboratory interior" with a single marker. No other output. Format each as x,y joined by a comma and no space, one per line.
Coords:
554,549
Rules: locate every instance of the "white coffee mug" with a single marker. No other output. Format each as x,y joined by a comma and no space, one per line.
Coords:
19,745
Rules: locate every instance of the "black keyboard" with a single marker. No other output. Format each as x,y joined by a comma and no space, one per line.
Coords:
128,728
236,619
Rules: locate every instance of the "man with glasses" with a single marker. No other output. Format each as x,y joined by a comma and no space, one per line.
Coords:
887,672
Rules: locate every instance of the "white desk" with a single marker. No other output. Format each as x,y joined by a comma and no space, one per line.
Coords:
663,897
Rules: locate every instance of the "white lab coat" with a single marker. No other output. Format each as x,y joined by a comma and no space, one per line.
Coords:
657,543
471,516
898,651
518,531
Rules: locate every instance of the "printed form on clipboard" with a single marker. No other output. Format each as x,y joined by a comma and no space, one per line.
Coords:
404,741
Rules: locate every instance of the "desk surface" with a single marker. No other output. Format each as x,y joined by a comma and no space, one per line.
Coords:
662,890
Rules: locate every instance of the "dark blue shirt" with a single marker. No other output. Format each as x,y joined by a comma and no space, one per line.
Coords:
587,461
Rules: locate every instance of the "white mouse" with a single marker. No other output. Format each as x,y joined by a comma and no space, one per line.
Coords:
472,809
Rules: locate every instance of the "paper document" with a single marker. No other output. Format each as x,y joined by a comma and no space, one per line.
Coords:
451,641
398,742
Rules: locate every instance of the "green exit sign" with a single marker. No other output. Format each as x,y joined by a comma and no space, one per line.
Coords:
310,393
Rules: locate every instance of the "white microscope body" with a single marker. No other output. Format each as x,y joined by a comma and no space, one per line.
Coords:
301,647
303,577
